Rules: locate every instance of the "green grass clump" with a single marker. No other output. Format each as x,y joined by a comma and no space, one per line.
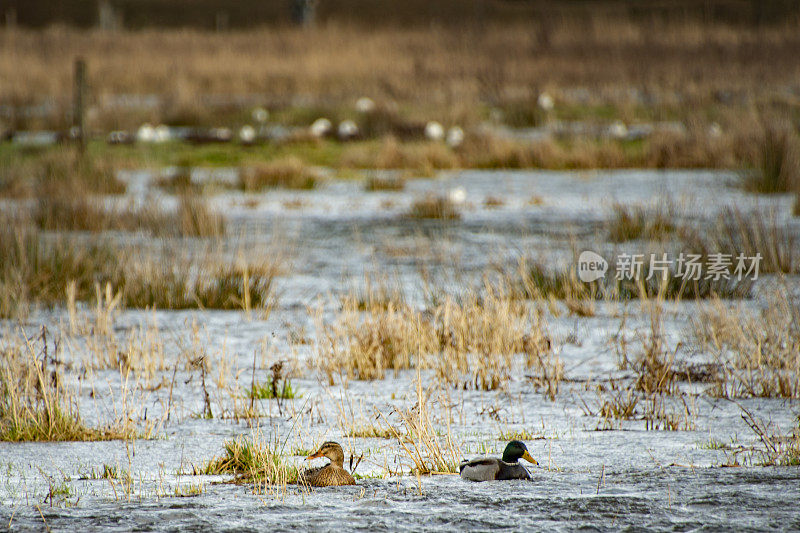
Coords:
250,460
268,391
713,444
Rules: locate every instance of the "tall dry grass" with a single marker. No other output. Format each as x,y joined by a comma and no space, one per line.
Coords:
451,71
641,222
391,153
419,436
197,219
475,341
775,162
60,171
653,393
758,352
38,269
36,404
366,343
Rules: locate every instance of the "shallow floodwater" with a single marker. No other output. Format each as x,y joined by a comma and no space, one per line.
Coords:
589,476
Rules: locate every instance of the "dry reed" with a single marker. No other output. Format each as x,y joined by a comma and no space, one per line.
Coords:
757,353
37,405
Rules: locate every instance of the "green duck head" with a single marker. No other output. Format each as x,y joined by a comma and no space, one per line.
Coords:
515,451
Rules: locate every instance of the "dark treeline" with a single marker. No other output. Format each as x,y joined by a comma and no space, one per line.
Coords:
223,14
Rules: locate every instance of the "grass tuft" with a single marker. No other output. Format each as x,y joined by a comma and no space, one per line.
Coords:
640,222
471,341
251,460
369,431
776,164
197,219
758,353
288,172
38,269
377,182
434,207
269,391
35,404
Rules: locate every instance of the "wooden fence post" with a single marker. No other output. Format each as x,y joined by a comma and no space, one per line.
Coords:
78,111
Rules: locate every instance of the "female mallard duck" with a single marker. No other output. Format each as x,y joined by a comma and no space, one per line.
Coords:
492,468
330,475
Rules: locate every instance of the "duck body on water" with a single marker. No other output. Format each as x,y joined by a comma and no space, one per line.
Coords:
494,469
331,475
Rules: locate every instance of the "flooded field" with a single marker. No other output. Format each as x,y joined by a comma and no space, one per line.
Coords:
414,341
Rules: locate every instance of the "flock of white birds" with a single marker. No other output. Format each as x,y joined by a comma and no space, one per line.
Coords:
321,127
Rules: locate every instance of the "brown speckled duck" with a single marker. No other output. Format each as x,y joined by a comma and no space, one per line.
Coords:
330,475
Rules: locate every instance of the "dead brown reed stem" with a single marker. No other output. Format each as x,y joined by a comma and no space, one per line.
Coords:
776,450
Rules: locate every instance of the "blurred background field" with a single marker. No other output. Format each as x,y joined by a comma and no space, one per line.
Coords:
572,84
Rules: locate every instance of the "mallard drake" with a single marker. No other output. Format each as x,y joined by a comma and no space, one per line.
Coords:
492,468
330,475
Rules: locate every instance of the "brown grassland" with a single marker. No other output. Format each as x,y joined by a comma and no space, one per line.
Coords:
628,69
731,89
